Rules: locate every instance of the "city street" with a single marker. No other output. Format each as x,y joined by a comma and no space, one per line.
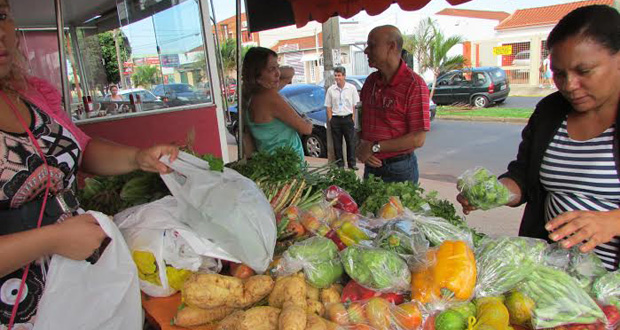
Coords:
521,102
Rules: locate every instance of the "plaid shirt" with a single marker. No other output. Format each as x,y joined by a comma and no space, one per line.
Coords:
394,109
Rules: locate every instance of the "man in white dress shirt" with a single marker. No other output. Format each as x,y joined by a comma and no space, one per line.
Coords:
340,101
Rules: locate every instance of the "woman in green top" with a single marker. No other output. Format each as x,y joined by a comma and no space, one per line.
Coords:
270,120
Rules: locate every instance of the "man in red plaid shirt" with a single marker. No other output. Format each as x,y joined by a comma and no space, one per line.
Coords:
395,110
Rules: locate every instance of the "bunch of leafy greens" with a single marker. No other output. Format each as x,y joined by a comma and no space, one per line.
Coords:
606,288
280,165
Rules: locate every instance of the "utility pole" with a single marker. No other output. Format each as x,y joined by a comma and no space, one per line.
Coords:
119,62
331,42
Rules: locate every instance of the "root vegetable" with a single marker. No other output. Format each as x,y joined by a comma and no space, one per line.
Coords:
315,307
260,318
312,292
292,317
231,321
289,289
213,290
192,316
314,322
330,295
337,313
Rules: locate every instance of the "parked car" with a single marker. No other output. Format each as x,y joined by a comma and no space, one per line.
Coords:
356,80
308,100
522,58
179,94
149,100
480,87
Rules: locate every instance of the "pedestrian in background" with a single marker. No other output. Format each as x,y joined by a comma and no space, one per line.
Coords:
287,73
340,100
395,110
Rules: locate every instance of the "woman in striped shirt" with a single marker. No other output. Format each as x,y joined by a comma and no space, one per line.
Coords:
567,168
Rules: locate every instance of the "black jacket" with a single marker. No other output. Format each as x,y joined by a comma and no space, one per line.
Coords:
525,170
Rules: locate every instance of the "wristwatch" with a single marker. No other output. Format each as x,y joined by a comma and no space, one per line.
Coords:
376,147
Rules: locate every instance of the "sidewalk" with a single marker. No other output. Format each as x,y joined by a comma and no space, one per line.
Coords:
530,91
500,221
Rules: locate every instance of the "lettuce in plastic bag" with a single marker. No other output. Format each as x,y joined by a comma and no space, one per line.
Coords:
482,189
376,269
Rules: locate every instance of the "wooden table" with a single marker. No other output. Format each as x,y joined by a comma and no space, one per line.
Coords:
159,312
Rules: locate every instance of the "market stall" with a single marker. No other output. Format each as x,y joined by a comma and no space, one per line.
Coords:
351,254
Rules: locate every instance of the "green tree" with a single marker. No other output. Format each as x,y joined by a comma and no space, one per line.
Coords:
418,43
228,51
108,54
438,60
145,76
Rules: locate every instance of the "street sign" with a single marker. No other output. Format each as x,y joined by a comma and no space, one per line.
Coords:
502,50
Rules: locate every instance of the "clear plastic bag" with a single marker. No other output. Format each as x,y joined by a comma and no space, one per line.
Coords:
376,314
437,230
342,199
584,267
503,262
224,207
403,237
606,288
377,269
319,217
559,299
317,257
482,189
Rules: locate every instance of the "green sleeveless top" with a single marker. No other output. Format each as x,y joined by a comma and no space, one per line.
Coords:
274,134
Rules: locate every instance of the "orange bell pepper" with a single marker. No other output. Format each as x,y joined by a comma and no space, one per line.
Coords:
451,274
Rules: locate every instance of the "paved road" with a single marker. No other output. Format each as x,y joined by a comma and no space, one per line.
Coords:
520,102
452,147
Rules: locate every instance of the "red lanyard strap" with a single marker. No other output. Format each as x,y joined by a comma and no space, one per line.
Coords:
47,190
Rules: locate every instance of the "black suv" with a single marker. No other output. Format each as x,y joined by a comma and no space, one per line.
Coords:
479,87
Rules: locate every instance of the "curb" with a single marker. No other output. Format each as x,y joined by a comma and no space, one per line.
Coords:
488,119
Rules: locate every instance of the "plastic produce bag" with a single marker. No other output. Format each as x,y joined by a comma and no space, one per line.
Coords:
376,314
504,262
224,207
606,288
377,269
165,250
319,217
342,200
559,299
584,267
482,189
403,237
103,296
317,256
437,230
449,274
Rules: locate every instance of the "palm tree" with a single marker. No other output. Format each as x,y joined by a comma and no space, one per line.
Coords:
228,50
438,60
418,43
145,76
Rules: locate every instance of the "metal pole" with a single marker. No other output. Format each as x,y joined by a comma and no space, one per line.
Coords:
161,71
60,28
80,60
220,70
119,62
240,110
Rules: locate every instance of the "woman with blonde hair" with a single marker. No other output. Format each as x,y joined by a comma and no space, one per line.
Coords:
270,120
41,153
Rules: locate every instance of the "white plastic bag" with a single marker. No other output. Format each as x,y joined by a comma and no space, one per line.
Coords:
103,296
225,207
155,228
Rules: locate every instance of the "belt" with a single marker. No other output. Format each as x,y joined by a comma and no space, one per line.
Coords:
395,158
26,216
349,115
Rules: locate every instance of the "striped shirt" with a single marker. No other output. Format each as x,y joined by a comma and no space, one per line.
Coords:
582,175
394,109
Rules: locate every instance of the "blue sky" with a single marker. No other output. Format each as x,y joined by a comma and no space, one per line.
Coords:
178,28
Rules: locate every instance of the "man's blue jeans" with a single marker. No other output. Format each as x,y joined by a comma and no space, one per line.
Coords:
399,171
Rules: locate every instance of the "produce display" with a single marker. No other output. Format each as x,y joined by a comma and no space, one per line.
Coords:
366,255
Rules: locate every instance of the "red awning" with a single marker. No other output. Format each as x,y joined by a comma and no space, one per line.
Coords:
322,10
